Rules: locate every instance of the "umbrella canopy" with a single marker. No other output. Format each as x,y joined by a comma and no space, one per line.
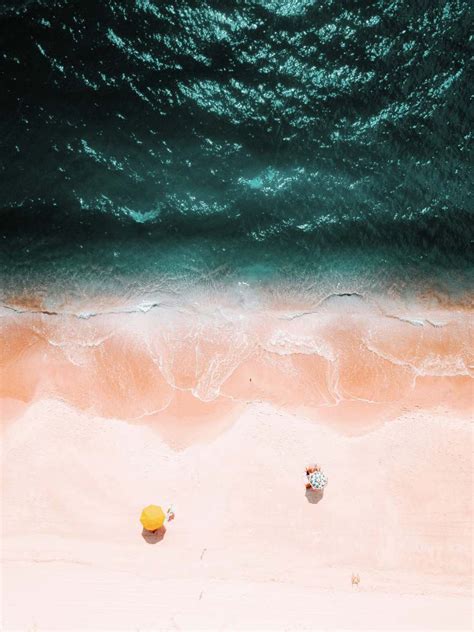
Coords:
153,517
318,480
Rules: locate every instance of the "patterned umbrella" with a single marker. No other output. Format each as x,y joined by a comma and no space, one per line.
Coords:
317,480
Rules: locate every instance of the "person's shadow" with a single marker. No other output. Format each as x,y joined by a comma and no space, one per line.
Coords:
152,537
313,496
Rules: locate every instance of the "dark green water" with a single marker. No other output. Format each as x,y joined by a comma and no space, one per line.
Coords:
147,143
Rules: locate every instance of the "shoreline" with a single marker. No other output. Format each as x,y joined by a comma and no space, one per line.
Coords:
202,362
217,409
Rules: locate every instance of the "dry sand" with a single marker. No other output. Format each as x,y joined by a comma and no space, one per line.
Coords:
249,549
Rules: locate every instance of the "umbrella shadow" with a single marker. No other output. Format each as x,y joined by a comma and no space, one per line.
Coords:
152,537
314,496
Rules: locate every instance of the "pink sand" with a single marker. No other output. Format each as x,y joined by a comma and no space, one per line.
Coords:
248,549
217,408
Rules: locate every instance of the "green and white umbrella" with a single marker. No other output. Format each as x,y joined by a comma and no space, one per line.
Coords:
317,480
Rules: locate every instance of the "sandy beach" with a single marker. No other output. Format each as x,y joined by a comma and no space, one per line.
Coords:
236,241
218,411
249,549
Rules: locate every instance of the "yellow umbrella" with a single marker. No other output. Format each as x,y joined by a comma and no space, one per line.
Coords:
152,518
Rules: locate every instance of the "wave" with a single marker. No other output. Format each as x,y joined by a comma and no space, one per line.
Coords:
211,202
123,365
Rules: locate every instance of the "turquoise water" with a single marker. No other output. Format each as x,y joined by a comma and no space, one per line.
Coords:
149,145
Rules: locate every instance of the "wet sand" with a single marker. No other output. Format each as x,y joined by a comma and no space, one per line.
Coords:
207,360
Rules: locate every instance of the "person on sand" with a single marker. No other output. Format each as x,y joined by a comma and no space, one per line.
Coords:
315,479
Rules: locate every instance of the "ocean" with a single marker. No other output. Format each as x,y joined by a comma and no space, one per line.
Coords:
195,195
148,146
236,240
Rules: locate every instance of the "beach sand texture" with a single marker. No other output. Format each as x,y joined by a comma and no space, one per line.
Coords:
249,548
